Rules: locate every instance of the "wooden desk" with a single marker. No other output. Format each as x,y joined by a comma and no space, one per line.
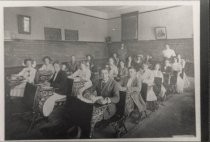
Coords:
43,76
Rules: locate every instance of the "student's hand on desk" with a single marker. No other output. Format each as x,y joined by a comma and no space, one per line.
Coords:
101,101
123,89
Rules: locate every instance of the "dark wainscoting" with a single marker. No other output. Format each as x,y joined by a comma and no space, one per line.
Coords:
155,48
17,50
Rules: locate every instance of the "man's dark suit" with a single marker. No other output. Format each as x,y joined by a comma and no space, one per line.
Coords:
59,83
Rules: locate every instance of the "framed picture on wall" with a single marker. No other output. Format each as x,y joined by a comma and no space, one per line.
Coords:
160,33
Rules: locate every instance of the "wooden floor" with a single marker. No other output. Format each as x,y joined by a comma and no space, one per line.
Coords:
175,117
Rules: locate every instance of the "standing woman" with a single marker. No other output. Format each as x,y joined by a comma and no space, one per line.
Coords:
72,65
47,66
28,74
158,87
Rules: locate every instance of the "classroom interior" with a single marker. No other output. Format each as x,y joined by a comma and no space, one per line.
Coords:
60,32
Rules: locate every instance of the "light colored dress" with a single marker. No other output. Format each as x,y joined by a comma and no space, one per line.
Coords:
180,81
168,53
48,67
159,74
28,74
147,77
84,75
185,78
113,71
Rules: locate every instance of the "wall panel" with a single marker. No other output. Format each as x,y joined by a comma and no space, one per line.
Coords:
16,51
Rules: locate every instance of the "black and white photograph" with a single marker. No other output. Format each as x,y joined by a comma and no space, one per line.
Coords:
101,70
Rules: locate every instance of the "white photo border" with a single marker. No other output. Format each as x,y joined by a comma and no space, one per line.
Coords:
196,29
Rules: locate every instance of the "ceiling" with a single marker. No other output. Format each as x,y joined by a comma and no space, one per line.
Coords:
111,11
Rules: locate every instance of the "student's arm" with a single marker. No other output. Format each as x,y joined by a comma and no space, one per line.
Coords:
136,88
75,74
42,68
116,96
32,77
61,82
21,73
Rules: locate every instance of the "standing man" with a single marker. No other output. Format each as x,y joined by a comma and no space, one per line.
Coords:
72,65
122,52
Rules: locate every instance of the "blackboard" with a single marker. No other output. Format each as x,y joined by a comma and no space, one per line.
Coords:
72,35
52,33
129,26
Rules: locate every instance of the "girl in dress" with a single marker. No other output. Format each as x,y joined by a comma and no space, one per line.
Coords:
183,75
147,78
158,87
47,66
83,74
28,74
116,59
113,70
177,68
90,62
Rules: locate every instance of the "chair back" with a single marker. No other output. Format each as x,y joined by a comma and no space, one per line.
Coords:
69,87
79,113
158,81
29,95
120,106
166,78
144,91
173,80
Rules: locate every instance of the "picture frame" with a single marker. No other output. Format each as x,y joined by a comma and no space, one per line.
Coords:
160,33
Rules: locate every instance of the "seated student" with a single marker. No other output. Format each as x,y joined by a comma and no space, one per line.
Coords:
108,89
58,82
83,74
138,62
148,60
177,67
158,87
27,74
72,65
147,77
90,62
116,59
132,85
63,67
123,71
47,66
113,70
129,62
